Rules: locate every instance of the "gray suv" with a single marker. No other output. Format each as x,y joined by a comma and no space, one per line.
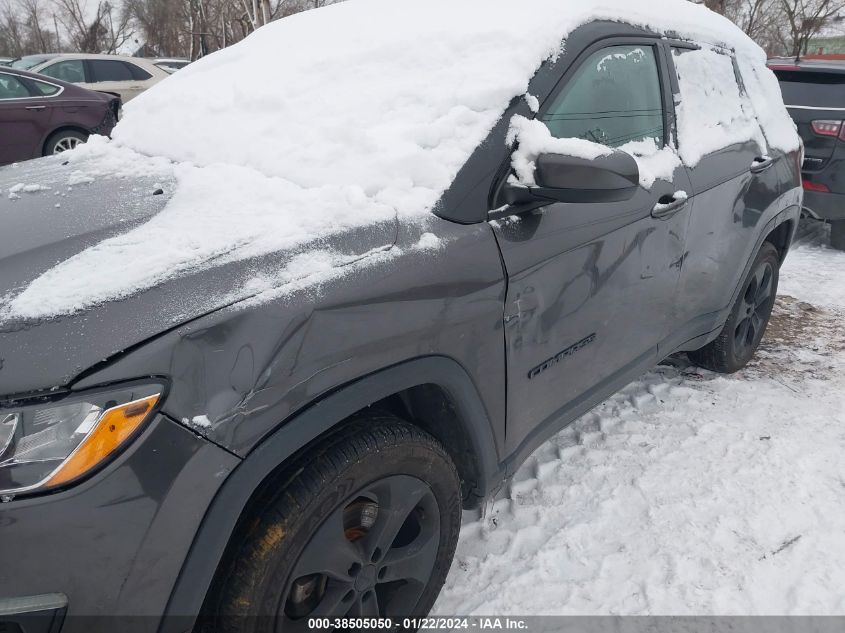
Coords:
177,458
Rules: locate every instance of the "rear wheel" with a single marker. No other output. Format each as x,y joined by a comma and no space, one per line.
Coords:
63,141
365,525
837,235
747,323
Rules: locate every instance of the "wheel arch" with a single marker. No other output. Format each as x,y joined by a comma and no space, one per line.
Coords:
61,128
781,235
435,393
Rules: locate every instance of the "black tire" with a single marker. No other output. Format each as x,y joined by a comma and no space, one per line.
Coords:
365,476
837,235
741,336
62,141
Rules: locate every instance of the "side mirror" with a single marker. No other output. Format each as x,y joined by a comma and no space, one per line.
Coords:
561,178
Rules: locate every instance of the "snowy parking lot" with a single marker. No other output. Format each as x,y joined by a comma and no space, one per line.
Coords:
687,492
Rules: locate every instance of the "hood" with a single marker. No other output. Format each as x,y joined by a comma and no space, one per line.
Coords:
53,211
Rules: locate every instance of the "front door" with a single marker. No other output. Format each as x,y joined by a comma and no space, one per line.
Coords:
592,285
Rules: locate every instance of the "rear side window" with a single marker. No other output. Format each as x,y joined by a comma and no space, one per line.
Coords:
109,70
713,111
44,89
12,88
69,70
813,89
613,98
138,73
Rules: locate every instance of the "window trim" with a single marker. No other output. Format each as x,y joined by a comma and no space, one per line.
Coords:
25,82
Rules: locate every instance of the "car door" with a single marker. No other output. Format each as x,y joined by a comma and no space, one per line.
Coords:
736,182
117,77
23,120
591,285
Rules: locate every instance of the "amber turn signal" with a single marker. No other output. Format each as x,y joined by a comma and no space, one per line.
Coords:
114,427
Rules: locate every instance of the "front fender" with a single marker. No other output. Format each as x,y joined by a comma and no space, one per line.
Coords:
298,433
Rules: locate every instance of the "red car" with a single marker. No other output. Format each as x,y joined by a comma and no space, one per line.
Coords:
40,115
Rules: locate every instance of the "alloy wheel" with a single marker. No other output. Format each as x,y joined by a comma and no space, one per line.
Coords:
65,144
372,557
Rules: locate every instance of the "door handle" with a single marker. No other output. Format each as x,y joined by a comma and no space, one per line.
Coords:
761,164
35,107
668,206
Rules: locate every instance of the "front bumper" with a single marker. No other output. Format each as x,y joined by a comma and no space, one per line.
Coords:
115,544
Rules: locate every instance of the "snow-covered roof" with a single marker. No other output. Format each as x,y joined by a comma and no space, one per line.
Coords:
390,96
332,118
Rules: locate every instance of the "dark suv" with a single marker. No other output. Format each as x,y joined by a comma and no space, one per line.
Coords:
814,93
257,455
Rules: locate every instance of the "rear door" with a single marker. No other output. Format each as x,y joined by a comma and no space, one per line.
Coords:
117,77
23,120
735,181
591,285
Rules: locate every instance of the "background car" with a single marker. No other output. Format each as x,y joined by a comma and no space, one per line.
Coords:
814,93
39,117
171,64
126,77
6,61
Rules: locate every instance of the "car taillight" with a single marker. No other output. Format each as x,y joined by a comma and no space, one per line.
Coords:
815,186
829,128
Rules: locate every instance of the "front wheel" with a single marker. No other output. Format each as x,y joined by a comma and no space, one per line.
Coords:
747,323
363,526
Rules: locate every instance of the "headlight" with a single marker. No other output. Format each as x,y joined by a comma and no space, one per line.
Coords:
48,444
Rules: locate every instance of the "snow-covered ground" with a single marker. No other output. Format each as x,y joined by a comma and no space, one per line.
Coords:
687,492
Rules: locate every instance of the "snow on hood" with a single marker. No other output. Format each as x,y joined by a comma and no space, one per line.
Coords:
328,119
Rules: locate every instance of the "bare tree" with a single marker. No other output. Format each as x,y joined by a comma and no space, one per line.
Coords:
105,30
807,18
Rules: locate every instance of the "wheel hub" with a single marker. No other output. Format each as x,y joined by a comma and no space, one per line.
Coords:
374,554
366,580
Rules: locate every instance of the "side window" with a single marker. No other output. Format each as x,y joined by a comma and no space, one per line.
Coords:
12,88
45,89
109,70
713,110
138,73
69,70
613,99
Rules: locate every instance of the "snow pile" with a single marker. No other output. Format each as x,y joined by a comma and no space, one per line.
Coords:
16,190
326,120
535,138
655,163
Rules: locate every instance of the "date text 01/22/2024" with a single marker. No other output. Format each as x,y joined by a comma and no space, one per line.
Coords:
421,624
